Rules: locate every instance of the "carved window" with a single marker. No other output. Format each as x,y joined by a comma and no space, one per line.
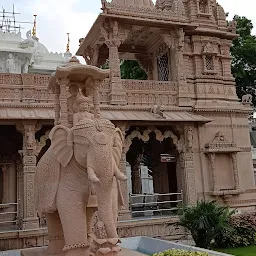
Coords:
209,64
163,67
203,6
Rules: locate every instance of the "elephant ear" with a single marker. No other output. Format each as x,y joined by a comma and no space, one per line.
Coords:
118,141
62,144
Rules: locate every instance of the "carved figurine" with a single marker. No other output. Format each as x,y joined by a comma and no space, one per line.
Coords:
29,42
157,111
81,40
103,4
247,99
72,108
82,104
10,64
25,66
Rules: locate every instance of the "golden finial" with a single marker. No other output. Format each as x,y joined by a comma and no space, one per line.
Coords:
34,27
67,48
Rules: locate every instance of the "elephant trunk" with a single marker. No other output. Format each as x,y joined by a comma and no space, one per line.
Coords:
104,188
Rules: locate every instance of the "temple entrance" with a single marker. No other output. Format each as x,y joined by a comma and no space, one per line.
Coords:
11,141
152,169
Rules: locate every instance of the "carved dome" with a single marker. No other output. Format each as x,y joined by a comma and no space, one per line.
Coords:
140,3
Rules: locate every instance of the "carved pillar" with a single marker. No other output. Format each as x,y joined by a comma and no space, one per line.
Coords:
213,171
175,41
136,179
117,95
6,188
114,35
125,213
96,100
57,106
63,82
30,219
235,171
189,182
20,187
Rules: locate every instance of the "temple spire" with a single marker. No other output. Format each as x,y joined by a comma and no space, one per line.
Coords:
68,44
34,28
68,54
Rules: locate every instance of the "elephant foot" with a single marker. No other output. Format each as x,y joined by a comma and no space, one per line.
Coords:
105,246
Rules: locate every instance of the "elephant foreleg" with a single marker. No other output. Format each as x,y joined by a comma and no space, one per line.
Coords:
71,205
56,237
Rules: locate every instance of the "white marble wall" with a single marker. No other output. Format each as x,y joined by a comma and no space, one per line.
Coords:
15,63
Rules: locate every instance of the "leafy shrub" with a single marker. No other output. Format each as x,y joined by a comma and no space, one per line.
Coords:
174,252
205,221
243,232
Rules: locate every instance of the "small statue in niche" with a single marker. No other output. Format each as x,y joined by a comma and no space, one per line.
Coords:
157,110
83,110
25,66
10,64
74,91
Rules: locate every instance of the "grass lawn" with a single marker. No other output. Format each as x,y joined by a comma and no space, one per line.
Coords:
241,251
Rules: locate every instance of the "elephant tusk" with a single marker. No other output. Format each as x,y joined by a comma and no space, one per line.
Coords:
92,176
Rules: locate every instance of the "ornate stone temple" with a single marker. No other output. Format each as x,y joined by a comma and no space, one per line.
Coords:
186,132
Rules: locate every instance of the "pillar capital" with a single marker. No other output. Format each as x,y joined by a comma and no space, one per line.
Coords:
63,81
114,33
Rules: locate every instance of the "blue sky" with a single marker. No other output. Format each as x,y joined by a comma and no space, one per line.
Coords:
57,17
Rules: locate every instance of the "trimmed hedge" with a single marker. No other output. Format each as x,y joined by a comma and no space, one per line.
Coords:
175,252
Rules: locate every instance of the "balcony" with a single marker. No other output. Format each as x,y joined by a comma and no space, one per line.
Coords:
147,92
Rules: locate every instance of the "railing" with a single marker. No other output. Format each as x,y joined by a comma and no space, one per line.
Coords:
147,92
6,219
155,204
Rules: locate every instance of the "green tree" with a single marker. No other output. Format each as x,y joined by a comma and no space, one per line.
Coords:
130,69
243,52
205,221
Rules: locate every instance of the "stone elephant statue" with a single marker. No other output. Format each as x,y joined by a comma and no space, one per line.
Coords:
247,98
87,154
